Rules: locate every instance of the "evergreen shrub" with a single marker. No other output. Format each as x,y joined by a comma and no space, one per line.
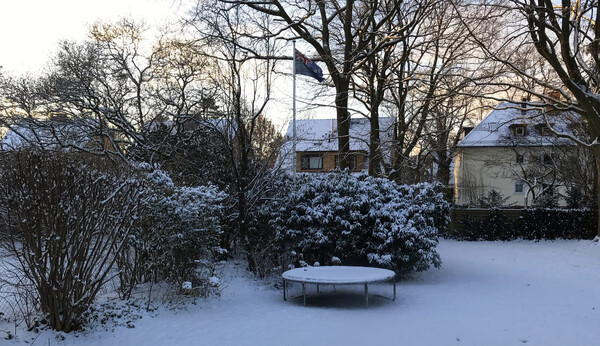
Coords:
532,224
360,220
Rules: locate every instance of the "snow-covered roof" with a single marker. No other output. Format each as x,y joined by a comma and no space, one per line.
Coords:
497,129
321,134
48,134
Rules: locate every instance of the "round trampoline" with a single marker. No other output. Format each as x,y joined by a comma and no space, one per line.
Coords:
337,275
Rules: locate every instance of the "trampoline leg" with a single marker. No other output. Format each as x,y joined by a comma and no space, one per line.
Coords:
394,299
284,292
367,293
304,293
318,291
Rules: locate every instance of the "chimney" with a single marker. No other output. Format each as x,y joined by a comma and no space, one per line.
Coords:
555,94
523,105
331,130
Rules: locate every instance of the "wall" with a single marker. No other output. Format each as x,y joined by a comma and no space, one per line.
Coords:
328,160
478,170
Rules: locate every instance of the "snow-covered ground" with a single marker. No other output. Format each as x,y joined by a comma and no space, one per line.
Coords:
486,293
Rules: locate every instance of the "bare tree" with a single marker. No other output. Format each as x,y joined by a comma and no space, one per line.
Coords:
237,41
373,81
565,37
343,35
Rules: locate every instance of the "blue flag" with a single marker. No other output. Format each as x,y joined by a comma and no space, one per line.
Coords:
307,67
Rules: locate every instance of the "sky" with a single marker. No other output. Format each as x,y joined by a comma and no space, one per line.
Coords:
31,29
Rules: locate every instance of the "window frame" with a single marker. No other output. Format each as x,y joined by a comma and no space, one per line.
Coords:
522,184
305,162
520,131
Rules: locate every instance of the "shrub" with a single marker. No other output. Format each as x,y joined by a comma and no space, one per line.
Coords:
532,224
177,238
360,220
495,227
65,221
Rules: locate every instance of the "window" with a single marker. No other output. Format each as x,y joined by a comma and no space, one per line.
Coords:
547,159
545,131
365,162
520,158
311,162
519,130
352,161
519,187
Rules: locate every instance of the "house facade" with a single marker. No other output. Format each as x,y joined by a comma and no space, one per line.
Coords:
513,152
317,145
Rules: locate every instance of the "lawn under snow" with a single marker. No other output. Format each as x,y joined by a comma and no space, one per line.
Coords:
486,293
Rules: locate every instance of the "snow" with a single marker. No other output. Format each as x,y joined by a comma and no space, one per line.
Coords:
494,130
486,293
320,135
338,274
48,134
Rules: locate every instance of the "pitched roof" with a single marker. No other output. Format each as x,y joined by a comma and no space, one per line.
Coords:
495,130
48,134
321,134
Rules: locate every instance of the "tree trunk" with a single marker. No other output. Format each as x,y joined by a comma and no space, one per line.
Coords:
343,123
443,169
374,142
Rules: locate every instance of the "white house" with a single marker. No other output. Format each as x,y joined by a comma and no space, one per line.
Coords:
512,151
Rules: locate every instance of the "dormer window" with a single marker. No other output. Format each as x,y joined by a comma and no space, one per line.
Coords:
519,130
543,130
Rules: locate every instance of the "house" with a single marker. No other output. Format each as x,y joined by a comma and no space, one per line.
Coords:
55,133
317,144
513,152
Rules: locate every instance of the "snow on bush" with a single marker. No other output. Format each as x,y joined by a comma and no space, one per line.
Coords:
360,220
177,238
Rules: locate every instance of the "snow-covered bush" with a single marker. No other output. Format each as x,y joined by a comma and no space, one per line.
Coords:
264,251
360,220
66,216
176,240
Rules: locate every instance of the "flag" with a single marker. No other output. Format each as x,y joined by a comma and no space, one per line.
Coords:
307,67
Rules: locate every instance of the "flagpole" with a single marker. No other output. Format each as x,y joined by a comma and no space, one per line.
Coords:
295,156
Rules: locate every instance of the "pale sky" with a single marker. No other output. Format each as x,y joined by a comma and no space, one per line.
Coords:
31,29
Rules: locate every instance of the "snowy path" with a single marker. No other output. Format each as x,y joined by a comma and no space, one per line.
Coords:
510,293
